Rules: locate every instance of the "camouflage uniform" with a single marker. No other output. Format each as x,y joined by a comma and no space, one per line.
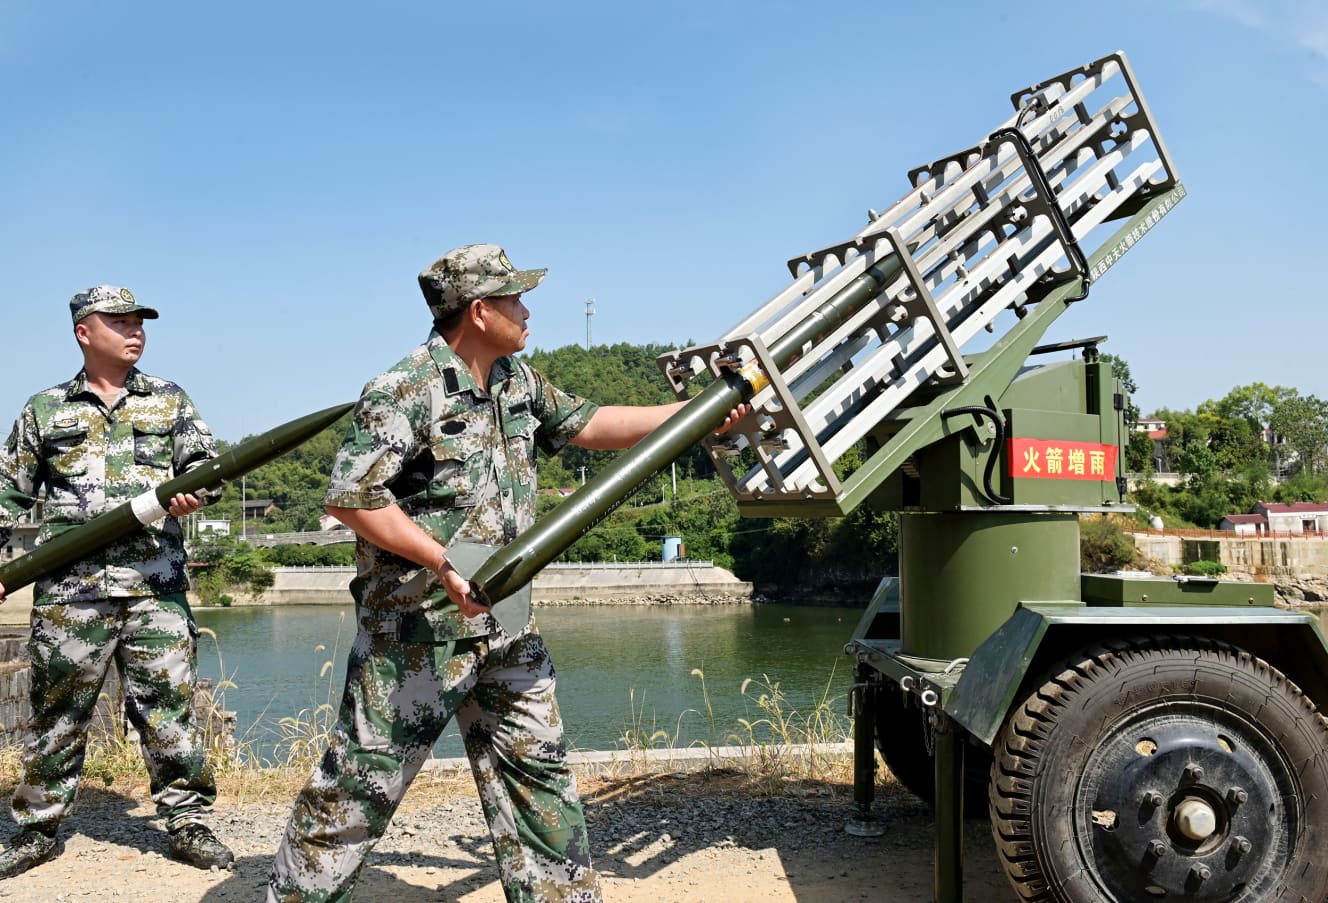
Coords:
460,461
125,603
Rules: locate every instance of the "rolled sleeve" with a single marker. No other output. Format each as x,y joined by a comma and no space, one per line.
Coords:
561,414
19,463
194,443
378,443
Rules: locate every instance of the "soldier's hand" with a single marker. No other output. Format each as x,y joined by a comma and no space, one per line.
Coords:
183,503
458,590
2,594
741,411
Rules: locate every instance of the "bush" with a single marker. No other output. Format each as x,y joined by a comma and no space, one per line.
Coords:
1104,547
228,564
336,555
1203,568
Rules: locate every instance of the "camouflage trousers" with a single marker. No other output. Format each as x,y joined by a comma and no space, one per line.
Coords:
399,696
153,642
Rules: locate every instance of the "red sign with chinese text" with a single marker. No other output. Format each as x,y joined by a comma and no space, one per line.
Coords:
1060,459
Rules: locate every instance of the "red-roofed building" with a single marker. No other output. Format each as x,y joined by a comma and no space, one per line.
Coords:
1156,429
1298,517
1244,524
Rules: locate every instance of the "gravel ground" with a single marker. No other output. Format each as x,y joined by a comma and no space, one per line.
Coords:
657,837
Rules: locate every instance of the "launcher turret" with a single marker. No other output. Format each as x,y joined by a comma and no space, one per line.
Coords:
872,329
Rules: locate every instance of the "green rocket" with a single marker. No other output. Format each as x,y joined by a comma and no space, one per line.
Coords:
106,528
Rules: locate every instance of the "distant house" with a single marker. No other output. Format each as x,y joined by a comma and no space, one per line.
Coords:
1298,517
22,540
1244,524
257,509
218,527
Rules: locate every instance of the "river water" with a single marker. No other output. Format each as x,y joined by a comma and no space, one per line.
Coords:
622,670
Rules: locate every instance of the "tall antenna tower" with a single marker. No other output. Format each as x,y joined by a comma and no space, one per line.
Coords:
590,312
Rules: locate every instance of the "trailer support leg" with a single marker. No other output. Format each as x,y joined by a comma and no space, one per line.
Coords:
948,876
862,708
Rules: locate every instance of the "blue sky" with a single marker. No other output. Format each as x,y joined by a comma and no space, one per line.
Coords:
273,175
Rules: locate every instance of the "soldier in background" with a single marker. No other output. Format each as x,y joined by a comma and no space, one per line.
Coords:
109,435
443,446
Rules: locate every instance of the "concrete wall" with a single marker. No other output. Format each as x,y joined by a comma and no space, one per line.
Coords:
556,583
1288,557
643,582
680,582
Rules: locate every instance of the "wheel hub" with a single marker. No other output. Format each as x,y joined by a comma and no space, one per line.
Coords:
1178,809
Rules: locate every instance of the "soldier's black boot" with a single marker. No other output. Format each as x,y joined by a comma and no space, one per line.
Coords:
195,844
29,847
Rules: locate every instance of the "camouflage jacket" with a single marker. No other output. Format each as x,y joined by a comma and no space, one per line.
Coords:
92,459
459,460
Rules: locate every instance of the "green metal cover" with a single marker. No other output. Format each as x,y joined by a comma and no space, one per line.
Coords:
1107,589
994,674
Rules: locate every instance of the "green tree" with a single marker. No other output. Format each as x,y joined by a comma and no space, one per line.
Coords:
1121,370
1302,420
1199,465
1139,453
1237,447
1253,403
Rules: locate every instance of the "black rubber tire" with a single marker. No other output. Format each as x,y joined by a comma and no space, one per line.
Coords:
901,738
1082,763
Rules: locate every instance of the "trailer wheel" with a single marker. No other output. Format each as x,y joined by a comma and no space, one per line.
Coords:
1159,769
902,739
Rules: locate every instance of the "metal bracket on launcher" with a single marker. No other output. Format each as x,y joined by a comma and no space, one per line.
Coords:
728,356
786,416
922,304
839,253
936,169
1141,120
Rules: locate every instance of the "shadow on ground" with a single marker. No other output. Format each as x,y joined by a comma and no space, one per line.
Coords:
660,838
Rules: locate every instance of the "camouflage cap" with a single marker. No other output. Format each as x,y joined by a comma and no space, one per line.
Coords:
473,271
107,299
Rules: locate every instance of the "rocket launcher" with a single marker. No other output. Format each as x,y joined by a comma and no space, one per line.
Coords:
866,345
104,529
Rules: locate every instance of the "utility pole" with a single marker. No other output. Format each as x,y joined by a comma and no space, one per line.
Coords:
590,312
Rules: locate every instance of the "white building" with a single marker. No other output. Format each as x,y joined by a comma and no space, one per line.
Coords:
1297,518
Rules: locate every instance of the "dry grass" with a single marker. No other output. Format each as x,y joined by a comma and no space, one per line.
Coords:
783,750
121,772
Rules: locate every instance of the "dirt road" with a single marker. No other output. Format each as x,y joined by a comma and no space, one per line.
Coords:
657,838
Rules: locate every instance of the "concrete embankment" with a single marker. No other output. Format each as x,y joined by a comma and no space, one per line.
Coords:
646,582
558,584
1261,558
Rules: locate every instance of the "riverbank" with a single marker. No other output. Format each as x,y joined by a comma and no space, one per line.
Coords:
640,583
